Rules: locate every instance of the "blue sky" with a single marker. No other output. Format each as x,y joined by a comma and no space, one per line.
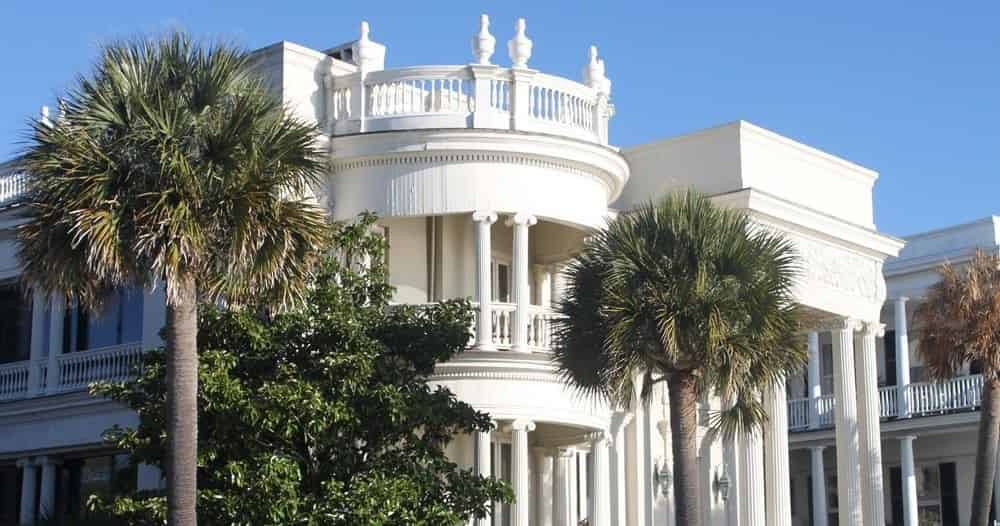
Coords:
909,89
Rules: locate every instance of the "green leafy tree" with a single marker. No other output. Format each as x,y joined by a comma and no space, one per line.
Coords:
321,415
172,165
690,294
959,323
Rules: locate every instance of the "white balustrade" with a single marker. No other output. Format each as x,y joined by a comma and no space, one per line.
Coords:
541,328
964,392
471,96
79,369
798,414
503,325
14,380
888,406
926,398
12,187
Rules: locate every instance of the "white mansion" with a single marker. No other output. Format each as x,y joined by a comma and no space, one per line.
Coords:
487,179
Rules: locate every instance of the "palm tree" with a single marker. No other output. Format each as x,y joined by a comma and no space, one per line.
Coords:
172,165
959,324
690,294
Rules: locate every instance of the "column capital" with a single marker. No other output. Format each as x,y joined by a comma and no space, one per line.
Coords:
521,424
873,328
839,324
565,451
817,448
48,460
908,438
484,216
25,462
599,437
522,218
901,299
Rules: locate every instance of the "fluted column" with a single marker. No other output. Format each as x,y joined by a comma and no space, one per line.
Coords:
619,513
482,465
902,359
47,495
484,284
521,509
583,489
909,480
777,493
29,485
818,486
574,495
521,276
869,435
813,373
58,306
563,487
752,479
600,498
544,491
846,425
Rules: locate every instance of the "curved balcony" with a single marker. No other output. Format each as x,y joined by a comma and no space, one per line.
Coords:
471,97
73,371
12,187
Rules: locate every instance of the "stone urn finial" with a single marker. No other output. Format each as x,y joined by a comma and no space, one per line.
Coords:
483,44
593,73
43,116
519,47
368,55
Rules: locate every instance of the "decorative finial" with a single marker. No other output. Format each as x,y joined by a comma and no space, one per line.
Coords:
519,47
368,55
483,44
593,73
44,116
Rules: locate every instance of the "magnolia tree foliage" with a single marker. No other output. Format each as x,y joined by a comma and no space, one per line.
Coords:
319,415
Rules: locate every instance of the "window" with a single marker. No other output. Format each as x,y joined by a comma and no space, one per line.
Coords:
118,322
15,323
501,281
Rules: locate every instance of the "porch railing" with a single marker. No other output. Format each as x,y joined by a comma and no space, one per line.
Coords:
73,372
924,399
540,327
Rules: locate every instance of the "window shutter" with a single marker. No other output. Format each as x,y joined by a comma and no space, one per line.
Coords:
889,345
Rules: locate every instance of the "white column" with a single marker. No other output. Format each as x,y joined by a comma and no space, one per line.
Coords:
813,372
47,496
484,284
544,493
600,508
563,489
521,509
619,420
29,485
909,476
58,311
583,490
777,491
499,509
751,459
574,496
39,305
522,288
902,359
730,448
869,433
846,424
818,486
482,465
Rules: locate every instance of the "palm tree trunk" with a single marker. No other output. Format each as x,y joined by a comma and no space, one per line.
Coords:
684,432
986,453
182,404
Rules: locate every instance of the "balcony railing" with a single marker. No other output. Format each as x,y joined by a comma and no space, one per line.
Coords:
540,326
12,187
923,399
74,371
472,96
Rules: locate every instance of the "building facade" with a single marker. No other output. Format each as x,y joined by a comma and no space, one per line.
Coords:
487,179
